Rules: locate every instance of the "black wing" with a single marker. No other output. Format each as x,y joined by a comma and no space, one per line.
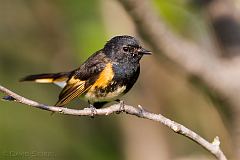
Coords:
83,78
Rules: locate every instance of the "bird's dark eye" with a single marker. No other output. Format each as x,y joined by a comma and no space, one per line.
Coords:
125,49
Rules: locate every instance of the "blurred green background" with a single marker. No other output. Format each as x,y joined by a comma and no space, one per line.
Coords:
41,36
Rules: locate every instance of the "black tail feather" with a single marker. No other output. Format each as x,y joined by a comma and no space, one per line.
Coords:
51,76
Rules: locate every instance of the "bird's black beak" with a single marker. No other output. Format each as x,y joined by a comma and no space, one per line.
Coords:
144,51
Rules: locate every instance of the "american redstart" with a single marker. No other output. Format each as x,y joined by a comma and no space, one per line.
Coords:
105,76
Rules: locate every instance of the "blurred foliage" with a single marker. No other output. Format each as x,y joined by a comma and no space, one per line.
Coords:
84,17
50,36
180,15
30,38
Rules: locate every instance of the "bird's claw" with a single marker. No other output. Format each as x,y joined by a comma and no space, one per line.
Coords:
8,98
121,108
93,110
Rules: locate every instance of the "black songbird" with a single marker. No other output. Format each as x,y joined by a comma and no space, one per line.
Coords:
105,76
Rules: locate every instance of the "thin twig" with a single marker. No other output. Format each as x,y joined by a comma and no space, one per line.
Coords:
213,147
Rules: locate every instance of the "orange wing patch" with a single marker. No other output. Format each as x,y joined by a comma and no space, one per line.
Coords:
104,78
74,88
103,81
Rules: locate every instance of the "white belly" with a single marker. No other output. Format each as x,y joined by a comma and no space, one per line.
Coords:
92,97
61,84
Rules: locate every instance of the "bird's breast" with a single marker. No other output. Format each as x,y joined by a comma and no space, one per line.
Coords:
113,82
109,93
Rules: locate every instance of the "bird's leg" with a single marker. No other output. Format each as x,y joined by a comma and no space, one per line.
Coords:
93,110
121,108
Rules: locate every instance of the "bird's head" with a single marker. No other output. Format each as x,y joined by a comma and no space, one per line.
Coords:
125,49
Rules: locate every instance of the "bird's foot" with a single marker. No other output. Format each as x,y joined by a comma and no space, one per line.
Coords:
93,110
8,98
121,108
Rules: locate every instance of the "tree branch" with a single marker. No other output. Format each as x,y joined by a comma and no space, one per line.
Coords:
219,74
213,147
193,58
